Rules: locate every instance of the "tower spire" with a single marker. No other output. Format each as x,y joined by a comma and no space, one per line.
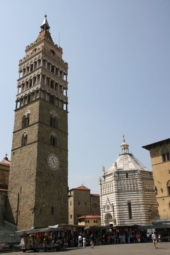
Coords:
45,25
45,33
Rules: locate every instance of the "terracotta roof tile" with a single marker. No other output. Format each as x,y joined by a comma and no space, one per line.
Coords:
95,195
90,217
82,188
5,164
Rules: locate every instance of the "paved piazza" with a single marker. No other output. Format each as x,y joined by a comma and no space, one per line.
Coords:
123,249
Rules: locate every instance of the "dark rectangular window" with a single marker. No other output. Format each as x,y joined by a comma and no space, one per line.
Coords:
168,156
53,122
48,66
130,210
169,191
53,141
52,69
29,98
52,99
164,157
52,210
126,175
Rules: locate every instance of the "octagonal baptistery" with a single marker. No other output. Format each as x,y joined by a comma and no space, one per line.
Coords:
127,193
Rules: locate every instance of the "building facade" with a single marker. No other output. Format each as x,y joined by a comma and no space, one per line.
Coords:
38,181
2,209
89,220
4,176
82,203
160,160
127,194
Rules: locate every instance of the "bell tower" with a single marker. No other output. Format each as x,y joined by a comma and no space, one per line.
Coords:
38,181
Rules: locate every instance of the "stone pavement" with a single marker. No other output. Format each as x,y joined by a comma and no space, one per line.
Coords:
119,249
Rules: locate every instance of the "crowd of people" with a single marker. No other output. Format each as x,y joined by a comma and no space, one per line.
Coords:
82,238
121,237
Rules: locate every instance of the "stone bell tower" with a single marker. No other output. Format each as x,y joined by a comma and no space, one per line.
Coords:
38,181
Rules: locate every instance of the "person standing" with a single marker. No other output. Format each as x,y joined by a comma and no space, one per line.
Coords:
79,241
84,242
128,236
154,239
92,241
159,238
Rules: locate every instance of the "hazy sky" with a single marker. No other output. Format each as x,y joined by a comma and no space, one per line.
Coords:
119,71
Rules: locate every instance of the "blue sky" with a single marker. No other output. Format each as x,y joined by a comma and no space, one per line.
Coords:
119,71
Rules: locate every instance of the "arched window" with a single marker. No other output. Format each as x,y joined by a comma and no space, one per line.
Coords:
53,138
26,119
168,187
24,139
130,210
108,219
52,52
53,119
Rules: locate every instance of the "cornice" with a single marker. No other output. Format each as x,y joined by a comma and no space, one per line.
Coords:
56,61
54,77
43,87
28,57
29,76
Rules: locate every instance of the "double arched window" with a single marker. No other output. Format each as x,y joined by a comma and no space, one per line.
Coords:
26,119
53,119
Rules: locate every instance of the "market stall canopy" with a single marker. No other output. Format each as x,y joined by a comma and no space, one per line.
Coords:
62,227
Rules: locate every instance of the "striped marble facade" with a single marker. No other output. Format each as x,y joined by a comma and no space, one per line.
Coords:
127,193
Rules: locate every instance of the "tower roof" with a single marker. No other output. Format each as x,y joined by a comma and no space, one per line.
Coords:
82,187
44,33
5,161
126,161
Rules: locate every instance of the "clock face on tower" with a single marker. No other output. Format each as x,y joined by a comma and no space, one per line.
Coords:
53,162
